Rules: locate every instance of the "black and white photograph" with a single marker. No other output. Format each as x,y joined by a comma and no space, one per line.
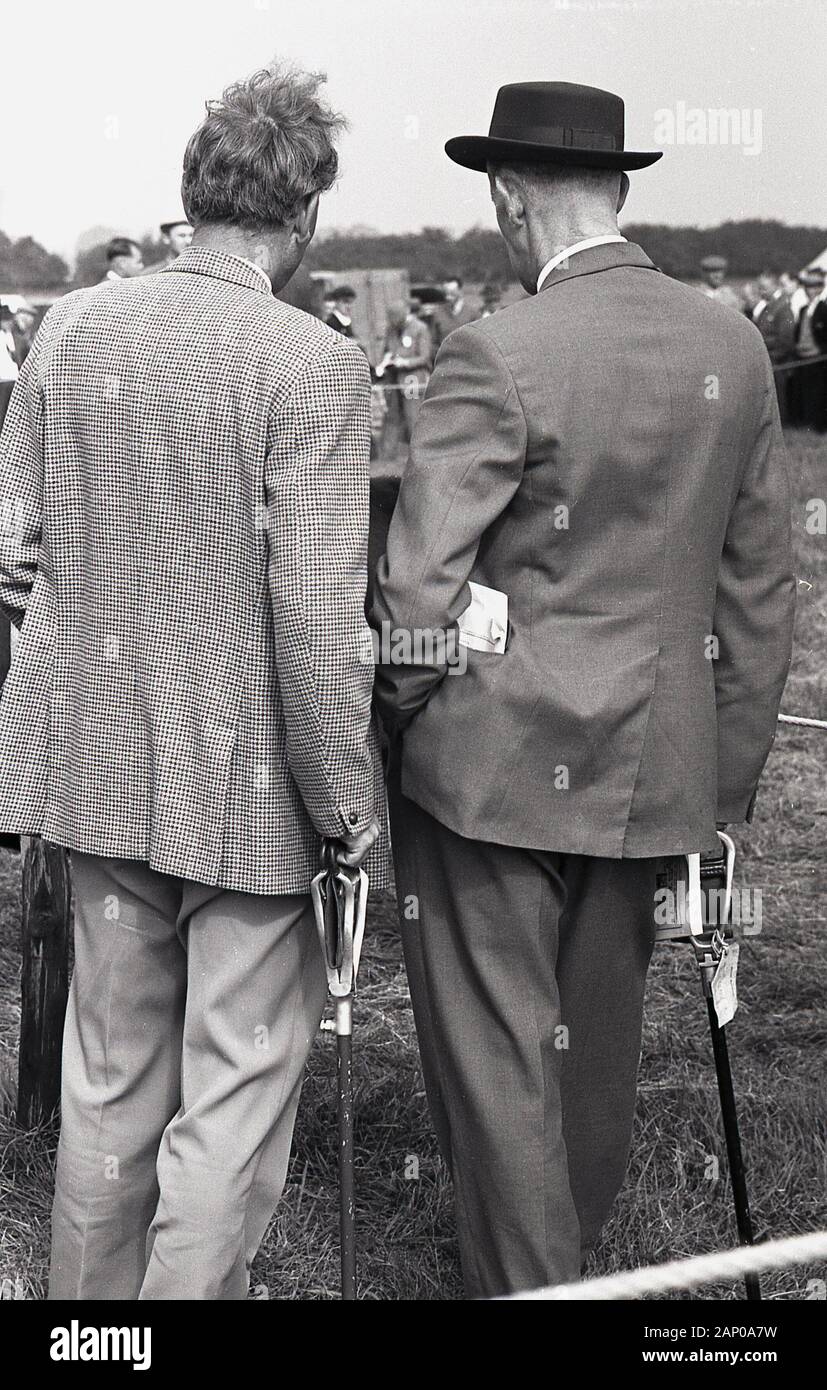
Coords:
413,670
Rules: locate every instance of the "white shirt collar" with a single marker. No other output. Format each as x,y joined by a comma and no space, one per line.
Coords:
572,251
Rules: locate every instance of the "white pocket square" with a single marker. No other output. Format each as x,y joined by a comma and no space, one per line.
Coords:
484,624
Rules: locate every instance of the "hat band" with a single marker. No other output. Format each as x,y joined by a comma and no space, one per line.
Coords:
564,136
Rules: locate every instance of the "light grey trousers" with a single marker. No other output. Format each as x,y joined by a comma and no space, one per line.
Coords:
191,1014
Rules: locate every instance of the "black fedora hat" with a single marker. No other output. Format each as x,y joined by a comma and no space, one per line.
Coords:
558,122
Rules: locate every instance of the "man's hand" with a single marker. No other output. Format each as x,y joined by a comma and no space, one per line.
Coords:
352,849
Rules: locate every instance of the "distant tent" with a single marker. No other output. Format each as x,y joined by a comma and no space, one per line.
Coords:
820,262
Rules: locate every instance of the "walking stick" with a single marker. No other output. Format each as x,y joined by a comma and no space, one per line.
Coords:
340,897
717,962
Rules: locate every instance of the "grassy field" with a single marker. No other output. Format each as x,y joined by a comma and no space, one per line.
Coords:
672,1204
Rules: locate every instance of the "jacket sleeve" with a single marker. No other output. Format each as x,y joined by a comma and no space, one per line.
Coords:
21,485
317,499
467,459
21,465
754,616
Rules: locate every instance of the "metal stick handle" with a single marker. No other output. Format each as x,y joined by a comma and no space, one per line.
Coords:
343,892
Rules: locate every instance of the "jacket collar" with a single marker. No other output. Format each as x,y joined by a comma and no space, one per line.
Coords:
597,258
221,265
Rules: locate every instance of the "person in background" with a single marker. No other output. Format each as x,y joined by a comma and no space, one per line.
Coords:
794,290
338,306
455,311
404,369
491,299
818,320
416,307
806,343
22,330
124,259
175,237
808,387
425,301
338,303
9,370
774,319
713,275
756,295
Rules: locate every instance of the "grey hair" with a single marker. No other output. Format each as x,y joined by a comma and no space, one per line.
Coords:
261,150
546,179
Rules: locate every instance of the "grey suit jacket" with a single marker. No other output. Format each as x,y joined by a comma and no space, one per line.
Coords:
609,454
184,485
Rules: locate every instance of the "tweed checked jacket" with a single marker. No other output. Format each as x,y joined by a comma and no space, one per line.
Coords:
185,493
608,453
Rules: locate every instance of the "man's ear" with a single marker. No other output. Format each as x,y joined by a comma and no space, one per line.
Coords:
304,226
507,198
623,191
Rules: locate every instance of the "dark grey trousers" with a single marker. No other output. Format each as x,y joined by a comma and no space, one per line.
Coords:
527,973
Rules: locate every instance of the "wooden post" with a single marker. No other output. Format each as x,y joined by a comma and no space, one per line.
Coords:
45,949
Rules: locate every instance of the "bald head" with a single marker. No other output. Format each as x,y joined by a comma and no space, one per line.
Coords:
543,208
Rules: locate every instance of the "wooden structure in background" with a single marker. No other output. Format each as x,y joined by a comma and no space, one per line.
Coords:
375,290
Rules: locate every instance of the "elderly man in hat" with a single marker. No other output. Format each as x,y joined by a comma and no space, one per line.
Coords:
595,517
185,461
338,304
176,236
713,275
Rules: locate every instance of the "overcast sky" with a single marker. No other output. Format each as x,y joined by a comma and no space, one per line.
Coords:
99,98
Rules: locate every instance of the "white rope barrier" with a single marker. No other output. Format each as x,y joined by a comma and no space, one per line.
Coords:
678,1275
799,719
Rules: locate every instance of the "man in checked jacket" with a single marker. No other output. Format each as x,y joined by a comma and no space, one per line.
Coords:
185,515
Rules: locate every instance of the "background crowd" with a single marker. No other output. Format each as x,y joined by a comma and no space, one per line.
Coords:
788,309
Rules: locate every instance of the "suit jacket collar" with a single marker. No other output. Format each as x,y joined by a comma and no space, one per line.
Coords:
597,258
221,265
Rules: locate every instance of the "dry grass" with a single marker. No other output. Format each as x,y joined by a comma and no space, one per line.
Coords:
669,1206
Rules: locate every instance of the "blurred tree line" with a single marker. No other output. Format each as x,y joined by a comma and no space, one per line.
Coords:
434,253
750,246
431,254
26,265
479,254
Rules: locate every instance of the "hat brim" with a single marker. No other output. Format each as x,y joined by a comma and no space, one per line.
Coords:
478,151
